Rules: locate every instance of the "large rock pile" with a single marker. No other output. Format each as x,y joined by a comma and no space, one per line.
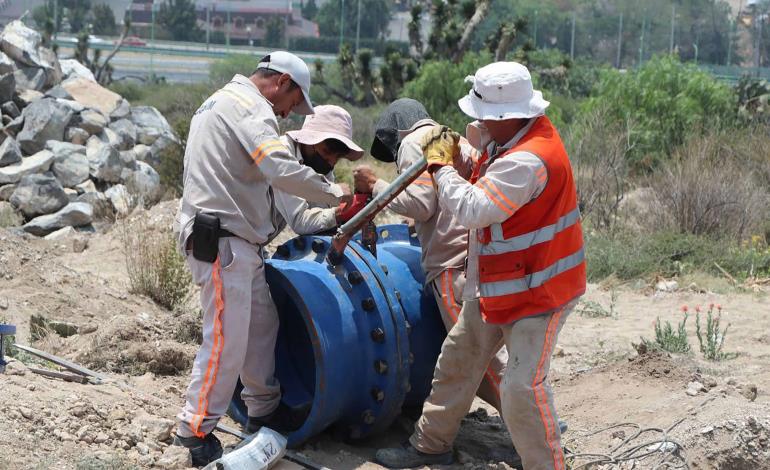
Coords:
71,151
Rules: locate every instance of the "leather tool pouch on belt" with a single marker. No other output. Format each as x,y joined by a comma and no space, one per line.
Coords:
205,237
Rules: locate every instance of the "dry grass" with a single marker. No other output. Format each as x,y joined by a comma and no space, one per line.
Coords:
598,153
154,267
9,217
709,190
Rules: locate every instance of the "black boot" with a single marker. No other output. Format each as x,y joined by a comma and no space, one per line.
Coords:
204,450
283,419
409,457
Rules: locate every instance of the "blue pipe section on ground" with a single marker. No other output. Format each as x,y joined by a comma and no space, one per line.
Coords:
357,341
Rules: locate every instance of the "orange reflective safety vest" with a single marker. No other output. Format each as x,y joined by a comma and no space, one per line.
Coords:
533,262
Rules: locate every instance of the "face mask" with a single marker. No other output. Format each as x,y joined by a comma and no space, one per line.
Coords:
478,135
317,163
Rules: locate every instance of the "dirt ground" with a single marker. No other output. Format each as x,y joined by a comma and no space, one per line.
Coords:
600,379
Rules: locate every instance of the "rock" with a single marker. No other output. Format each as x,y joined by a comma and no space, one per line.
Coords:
75,214
72,105
76,136
79,245
126,130
27,97
71,68
90,121
72,194
7,87
63,328
120,198
15,126
175,457
693,388
87,186
104,160
16,368
151,125
30,78
101,438
10,109
21,44
37,163
142,152
53,70
6,64
122,111
142,448
666,286
9,216
707,430
92,95
39,194
60,234
26,412
145,183
59,92
749,392
128,157
10,152
102,207
108,136
6,191
70,164
157,429
44,120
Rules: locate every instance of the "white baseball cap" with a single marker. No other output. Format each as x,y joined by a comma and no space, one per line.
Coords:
502,90
286,62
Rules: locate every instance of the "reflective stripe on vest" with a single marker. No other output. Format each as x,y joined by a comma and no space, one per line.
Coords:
530,281
499,245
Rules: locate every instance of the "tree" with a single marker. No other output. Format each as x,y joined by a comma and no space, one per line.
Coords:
77,13
309,10
104,20
180,19
275,33
375,17
454,25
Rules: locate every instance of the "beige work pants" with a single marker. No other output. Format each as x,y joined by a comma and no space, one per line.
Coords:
240,326
527,399
448,289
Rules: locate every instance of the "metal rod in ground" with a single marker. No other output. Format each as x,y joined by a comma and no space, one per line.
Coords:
60,375
62,362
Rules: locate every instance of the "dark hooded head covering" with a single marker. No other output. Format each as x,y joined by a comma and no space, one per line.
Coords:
401,114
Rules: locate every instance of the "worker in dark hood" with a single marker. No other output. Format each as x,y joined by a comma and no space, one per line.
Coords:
444,241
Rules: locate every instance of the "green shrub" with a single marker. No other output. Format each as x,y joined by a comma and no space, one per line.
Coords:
669,340
713,339
665,101
223,70
630,256
439,84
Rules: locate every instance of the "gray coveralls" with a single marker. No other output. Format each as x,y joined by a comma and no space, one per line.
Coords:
232,159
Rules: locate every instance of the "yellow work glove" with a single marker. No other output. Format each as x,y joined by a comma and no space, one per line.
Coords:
440,146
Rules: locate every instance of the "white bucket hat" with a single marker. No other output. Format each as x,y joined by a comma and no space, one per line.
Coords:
502,90
286,62
328,122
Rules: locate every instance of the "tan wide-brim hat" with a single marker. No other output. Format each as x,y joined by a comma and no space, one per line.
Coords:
328,122
502,90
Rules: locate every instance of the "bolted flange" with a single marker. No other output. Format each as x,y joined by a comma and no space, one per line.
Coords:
378,335
283,251
355,277
299,243
368,417
318,246
368,304
381,366
378,395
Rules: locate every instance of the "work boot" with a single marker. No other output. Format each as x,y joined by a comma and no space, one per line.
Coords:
407,456
283,419
203,450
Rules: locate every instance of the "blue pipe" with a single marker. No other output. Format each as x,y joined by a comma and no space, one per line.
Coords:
357,341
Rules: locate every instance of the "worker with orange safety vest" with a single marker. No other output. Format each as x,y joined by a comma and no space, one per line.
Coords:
526,267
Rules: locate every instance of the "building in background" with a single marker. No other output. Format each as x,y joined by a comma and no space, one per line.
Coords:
242,20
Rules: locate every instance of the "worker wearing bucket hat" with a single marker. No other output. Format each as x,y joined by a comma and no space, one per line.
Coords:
526,267
325,138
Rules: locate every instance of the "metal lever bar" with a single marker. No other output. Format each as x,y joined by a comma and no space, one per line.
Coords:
356,223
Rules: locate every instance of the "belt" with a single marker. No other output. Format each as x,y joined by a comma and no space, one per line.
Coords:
225,233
